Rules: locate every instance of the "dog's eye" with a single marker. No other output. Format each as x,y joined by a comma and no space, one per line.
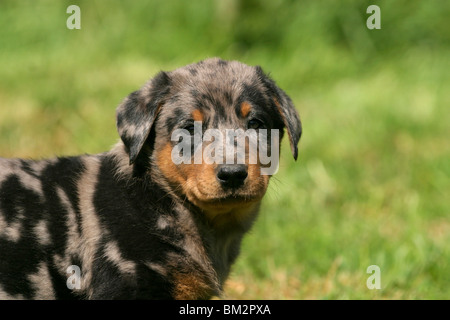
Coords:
255,124
189,127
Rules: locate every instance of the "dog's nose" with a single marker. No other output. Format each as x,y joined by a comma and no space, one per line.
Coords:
232,175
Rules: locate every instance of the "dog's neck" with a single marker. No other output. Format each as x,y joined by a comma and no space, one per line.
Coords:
221,232
225,240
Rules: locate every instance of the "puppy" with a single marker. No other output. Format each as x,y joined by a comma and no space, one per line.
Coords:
162,214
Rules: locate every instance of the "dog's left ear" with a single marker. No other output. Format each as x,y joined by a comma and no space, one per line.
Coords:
136,114
286,109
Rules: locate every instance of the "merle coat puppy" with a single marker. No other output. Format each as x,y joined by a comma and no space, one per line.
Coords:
131,222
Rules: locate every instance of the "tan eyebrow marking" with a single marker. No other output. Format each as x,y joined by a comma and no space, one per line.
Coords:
245,108
197,115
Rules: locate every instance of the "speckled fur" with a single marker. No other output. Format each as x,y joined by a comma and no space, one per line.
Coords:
137,225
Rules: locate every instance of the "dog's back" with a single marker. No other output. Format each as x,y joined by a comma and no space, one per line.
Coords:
37,198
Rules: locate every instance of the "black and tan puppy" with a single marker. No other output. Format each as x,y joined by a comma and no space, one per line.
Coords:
132,222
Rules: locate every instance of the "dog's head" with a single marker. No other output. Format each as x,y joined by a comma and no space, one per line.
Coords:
190,119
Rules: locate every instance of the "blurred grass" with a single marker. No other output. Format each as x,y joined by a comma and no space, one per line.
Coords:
372,181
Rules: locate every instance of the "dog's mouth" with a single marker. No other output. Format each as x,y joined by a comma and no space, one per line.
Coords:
226,200
235,197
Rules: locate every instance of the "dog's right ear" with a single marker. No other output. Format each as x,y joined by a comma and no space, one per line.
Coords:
136,114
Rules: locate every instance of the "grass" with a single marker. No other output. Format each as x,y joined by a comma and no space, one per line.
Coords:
371,183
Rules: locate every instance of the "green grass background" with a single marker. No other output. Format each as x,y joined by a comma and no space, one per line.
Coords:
371,186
